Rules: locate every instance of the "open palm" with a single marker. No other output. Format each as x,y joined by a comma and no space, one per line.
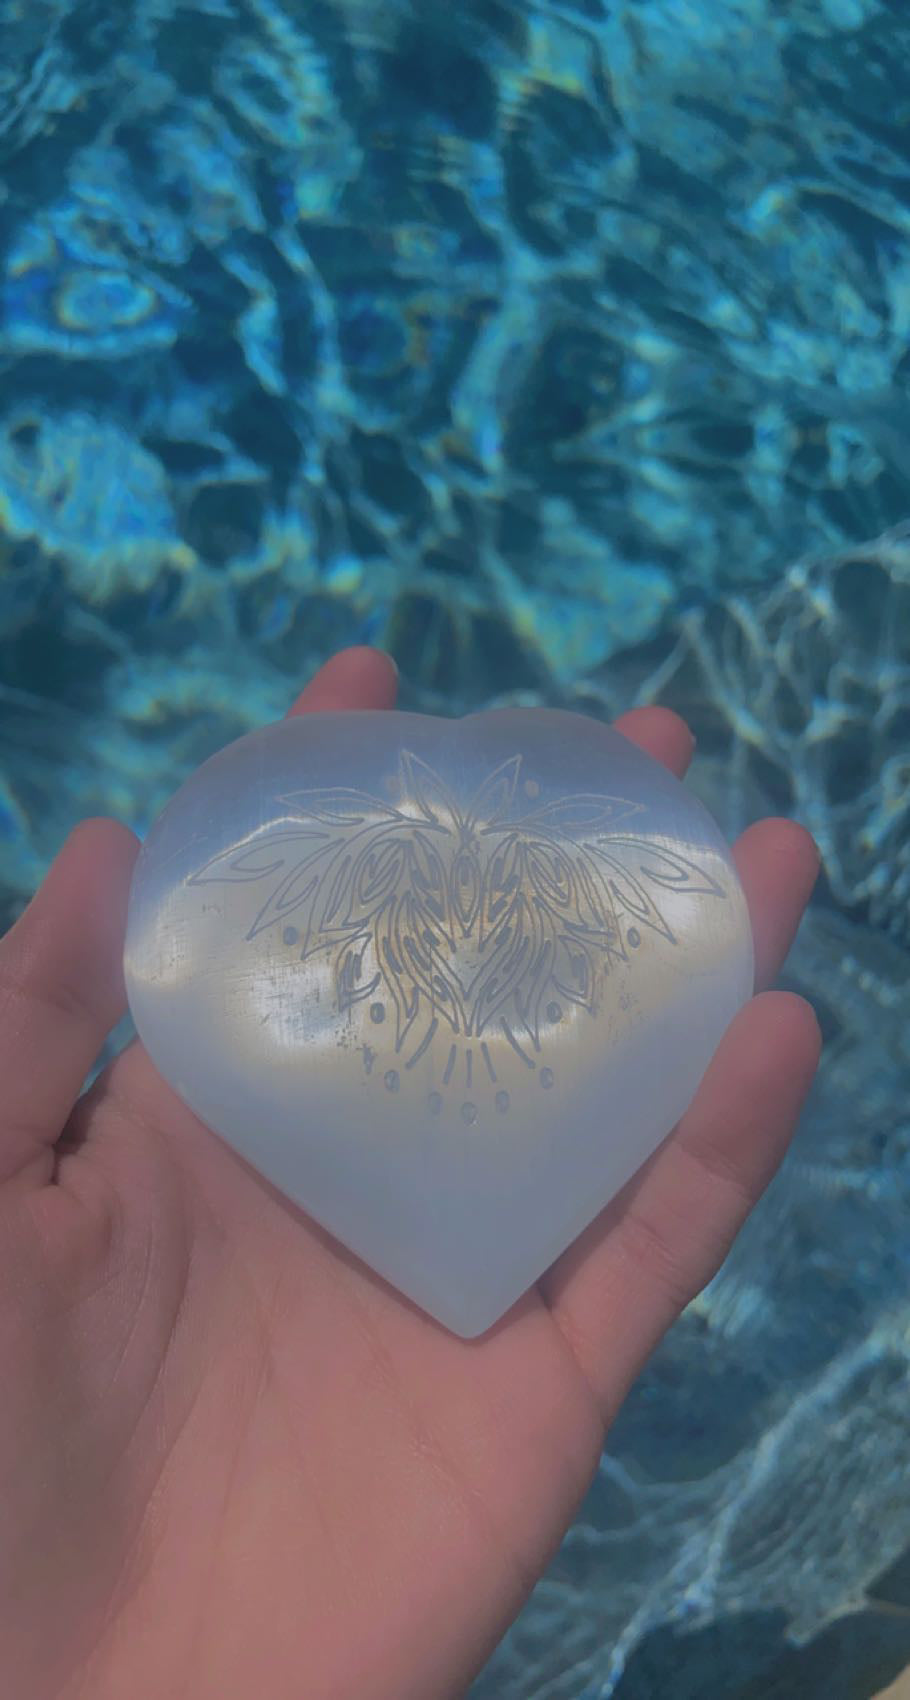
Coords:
233,1461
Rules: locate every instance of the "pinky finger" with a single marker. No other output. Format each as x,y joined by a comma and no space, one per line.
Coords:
617,1290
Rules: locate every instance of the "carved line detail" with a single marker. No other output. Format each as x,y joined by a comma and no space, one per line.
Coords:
481,919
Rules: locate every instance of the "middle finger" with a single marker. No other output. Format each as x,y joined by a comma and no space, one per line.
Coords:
777,860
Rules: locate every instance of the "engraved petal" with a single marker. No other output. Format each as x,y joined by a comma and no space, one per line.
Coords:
506,955
424,786
584,812
629,894
465,887
340,805
503,875
256,860
669,868
494,795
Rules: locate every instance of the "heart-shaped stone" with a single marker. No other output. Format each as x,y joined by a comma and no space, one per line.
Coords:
446,983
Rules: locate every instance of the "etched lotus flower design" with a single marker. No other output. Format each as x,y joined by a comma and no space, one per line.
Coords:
466,915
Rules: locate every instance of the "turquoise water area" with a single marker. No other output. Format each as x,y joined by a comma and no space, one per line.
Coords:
561,347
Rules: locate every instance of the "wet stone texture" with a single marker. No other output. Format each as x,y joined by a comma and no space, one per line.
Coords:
562,349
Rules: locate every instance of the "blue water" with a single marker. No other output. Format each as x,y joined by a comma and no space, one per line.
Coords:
560,348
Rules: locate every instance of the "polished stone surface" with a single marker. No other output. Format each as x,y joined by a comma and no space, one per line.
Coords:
446,983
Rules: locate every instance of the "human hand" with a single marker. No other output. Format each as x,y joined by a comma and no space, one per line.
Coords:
234,1461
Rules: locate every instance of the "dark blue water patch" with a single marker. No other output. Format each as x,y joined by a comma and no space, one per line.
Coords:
749,1657
430,73
672,1430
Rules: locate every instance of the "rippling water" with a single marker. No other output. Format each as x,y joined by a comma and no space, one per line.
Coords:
562,349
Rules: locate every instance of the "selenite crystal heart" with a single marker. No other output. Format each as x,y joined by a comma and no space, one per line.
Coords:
446,983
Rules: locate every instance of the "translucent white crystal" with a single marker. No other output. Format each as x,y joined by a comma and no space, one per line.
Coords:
446,983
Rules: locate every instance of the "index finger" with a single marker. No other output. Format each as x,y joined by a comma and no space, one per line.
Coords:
358,677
